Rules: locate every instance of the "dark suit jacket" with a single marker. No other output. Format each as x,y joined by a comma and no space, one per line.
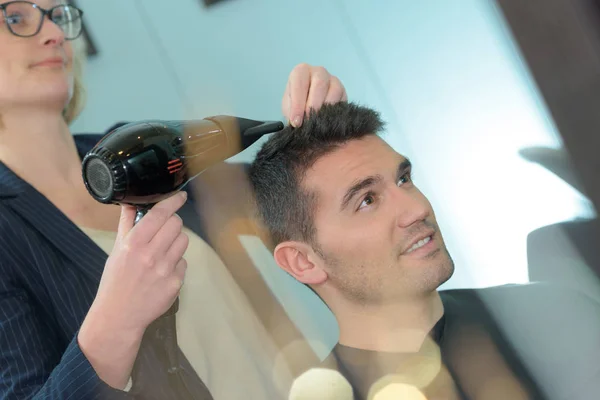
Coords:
49,275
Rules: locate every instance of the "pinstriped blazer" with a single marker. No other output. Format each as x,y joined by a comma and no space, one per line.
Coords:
49,275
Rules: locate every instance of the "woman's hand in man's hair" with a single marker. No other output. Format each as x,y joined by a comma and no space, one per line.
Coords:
310,87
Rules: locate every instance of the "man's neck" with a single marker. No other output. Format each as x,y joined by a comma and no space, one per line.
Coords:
398,327
38,146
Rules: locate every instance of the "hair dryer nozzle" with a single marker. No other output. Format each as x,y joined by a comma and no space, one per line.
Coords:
251,131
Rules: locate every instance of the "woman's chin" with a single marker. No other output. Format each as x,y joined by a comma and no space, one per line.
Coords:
51,76
57,100
56,91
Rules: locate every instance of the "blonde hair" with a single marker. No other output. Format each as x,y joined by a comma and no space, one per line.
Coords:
77,102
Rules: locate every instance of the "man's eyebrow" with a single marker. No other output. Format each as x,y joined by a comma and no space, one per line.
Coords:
402,168
357,187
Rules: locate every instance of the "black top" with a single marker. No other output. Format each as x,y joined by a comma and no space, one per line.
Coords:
467,355
364,368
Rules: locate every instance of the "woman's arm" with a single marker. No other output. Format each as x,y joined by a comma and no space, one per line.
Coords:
31,363
141,279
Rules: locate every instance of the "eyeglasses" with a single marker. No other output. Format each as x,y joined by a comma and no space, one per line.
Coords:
25,19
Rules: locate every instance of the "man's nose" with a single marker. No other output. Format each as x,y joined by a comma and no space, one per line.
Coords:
411,206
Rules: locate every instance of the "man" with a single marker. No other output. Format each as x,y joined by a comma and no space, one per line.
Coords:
347,220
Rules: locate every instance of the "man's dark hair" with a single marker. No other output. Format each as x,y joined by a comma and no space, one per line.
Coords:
276,174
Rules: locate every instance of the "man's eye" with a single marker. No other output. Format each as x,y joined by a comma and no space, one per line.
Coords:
367,201
406,178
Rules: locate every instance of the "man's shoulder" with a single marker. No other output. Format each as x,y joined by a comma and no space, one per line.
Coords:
540,318
553,329
529,295
542,312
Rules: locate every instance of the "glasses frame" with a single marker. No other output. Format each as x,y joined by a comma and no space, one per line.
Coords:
44,13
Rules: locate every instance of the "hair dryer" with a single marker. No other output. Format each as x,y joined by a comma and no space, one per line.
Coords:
142,163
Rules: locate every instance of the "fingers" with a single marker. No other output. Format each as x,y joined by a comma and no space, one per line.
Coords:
166,236
180,270
174,275
319,87
126,221
177,249
286,103
299,82
336,91
158,216
177,275
310,87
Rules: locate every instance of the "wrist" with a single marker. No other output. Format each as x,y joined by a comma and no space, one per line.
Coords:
104,321
110,347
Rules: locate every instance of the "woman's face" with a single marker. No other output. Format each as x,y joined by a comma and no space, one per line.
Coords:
35,70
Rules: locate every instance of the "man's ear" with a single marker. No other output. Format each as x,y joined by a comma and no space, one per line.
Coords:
299,260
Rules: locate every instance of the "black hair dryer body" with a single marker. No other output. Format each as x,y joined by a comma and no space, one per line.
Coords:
142,163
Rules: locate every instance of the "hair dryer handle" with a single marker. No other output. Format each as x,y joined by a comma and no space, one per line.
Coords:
141,211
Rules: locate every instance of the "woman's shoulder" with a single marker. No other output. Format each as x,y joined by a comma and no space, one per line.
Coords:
9,220
14,238
85,142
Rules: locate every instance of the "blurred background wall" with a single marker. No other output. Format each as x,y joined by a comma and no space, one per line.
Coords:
445,75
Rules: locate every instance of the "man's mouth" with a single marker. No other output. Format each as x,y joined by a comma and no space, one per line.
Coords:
424,240
419,244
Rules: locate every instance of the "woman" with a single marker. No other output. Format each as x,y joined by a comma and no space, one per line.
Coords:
73,321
